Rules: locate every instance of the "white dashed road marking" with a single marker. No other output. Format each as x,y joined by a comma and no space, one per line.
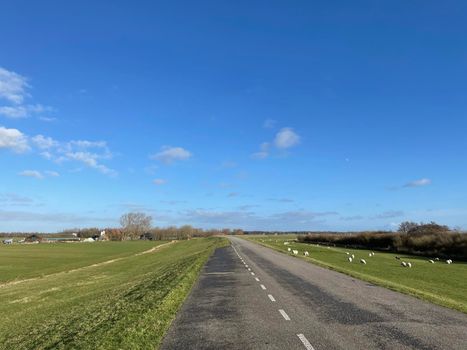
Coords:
305,342
262,286
271,297
286,317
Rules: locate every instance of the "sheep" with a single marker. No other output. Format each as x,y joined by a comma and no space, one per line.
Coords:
285,243
437,259
295,252
409,264
370,255
289,249
347,253
353,256
350,259
363,261
404,264
431,261
398,258
449,261
306,253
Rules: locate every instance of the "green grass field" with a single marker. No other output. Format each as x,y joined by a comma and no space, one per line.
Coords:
126,304
21,261
439,283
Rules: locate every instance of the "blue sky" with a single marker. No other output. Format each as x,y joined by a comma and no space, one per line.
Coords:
274,115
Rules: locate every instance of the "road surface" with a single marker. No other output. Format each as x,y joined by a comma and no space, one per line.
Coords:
251,297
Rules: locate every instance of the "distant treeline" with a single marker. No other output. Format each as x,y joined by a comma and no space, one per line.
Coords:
120,234
420,239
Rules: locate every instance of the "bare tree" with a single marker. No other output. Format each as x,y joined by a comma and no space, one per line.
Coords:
406,226
135,224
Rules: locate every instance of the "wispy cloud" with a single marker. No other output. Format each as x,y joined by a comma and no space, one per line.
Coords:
15,199
38,174
229,164
263,151
14,140
170,155
63,218
159,182
23,111
31,173
390,214
281,200
286,138
352,218
13,87
14,90
88,153
269,123
418,183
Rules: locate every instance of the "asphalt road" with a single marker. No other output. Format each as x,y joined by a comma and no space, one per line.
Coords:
251,297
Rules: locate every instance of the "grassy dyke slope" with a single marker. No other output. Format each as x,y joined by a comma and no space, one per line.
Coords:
22,261
127,304
439,283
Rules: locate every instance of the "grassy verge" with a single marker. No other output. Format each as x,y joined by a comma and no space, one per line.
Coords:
438,283
128,304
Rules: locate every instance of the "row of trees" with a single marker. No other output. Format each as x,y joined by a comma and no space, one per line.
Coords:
137,225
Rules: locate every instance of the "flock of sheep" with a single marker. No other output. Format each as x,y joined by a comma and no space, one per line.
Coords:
351,257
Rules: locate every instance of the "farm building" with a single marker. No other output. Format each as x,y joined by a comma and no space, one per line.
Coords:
33,239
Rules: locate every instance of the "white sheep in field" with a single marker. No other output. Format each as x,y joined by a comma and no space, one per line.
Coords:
370,255
295,252
349,259
363,261
347,253
431,261
286,243
437,259
306,253
404,264
449,261
353,256
289,249
409,264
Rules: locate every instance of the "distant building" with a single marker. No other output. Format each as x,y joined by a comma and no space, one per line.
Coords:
7,241
33,239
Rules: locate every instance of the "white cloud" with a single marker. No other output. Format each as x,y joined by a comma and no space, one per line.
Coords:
418,183
159,182
13,86
89,159
171,154
43,142
13,139
286,138
31,173
88,144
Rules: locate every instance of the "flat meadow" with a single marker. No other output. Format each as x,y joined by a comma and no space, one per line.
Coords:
439,283
103,295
